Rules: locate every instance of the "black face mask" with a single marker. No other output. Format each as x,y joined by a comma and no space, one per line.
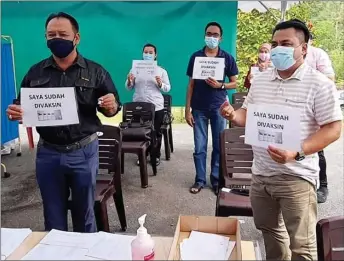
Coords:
61,48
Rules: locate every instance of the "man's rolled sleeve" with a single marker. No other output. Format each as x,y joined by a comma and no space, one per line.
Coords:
326,104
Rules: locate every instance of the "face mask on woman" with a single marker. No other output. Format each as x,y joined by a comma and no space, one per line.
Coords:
148,56
264,56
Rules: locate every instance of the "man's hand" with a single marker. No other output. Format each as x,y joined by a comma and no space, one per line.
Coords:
227,111
108,102
159,81
213,83
281,156
14,112
189,118
131,79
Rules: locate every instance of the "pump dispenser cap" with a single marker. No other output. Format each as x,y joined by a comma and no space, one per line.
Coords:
142,231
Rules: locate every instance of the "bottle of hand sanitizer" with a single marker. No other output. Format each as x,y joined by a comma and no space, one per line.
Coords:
142,247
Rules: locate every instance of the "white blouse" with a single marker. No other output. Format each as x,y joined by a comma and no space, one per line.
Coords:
147,89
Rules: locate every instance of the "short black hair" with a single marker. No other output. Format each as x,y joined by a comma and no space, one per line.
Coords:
150,45
71,19
213,24
311,36
298,25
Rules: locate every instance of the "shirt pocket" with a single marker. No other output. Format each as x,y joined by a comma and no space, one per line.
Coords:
40,82
85,92
298,103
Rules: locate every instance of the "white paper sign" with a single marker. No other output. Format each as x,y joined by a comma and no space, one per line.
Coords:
274,125
49,106
254,70
143,68
205,67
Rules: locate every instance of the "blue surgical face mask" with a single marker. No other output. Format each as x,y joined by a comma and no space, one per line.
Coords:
211,42
282,57
148,56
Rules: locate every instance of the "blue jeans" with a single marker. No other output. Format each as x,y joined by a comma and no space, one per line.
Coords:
58,174
217,124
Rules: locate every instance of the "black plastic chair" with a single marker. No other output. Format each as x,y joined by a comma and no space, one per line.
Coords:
167,128
146,111
109,184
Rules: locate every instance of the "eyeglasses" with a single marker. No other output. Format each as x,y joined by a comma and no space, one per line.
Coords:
209,34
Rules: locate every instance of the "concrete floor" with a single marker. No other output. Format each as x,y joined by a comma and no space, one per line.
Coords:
165,198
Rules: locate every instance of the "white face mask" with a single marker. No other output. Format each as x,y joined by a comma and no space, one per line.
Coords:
148,56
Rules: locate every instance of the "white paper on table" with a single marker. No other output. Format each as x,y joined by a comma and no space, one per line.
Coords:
205,67
206,246
72,239
11,238
112,247
144,69
52,252
274,125
49,106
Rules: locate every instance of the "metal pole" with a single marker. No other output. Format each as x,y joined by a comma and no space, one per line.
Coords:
284,7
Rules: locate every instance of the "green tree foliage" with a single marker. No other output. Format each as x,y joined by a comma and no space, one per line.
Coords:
326,18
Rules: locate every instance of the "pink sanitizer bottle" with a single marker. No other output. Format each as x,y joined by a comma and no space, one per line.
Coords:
142,247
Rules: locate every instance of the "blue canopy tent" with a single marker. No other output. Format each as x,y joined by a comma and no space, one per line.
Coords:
9,129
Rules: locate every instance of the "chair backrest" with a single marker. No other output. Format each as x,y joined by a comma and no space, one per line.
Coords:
235,106
330,238
167,102
239,97
110,147
145,110
236,158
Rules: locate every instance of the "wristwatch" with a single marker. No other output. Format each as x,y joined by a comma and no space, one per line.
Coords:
300,156
223,86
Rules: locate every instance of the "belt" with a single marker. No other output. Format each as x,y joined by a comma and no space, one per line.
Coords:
70,147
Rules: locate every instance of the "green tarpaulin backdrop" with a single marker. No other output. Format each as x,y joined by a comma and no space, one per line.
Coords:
113,33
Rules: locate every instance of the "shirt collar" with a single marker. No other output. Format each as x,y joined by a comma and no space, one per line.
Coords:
298,74
79,61
219,52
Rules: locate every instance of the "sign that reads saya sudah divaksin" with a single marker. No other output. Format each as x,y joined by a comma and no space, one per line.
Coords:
205,67
49,106
274,125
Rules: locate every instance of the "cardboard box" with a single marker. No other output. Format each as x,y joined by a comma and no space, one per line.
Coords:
229,227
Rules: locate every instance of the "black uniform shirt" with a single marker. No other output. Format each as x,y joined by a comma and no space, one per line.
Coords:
91,81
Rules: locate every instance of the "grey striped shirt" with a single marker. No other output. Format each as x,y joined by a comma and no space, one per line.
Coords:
308,90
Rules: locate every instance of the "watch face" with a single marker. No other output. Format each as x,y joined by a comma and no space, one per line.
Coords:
299,158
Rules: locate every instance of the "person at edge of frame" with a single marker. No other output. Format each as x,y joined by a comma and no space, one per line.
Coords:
67,156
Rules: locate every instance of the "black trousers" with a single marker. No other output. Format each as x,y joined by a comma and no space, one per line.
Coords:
158,120
322,173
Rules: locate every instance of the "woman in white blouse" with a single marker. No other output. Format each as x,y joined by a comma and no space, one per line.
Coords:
148,89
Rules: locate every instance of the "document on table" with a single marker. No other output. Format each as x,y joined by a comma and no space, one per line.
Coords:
49,106
61,245
71,239
112,247
205,246
274,125
11,238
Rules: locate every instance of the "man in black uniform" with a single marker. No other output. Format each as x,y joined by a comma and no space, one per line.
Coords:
67,156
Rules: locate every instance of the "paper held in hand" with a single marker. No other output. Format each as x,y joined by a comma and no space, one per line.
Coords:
205,67
143,68
274,125
49,106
